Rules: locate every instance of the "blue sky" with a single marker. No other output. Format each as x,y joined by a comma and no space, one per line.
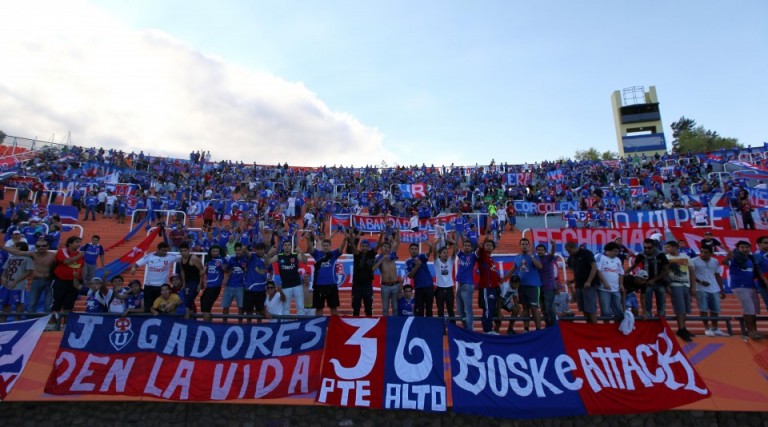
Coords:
438,81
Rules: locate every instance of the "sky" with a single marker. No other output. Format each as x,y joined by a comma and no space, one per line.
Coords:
361,83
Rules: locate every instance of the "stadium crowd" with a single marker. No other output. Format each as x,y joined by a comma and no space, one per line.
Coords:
256,216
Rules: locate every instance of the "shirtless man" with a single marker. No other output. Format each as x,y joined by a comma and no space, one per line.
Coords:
390,281
41,277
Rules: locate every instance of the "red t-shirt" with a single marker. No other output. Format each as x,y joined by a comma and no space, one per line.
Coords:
489,271
66,271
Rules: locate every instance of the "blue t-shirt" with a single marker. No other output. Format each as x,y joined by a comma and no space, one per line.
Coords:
529,274
465,272
325,263
256,275
237,266
92,252
741,273
214,272
422,278
405,306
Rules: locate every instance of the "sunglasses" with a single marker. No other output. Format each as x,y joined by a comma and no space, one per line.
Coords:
270,287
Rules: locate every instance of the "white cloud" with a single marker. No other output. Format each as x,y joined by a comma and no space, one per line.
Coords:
68,66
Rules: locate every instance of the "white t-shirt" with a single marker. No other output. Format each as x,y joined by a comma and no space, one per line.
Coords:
274,306
705,271
611,269
158,268
444,273
700,217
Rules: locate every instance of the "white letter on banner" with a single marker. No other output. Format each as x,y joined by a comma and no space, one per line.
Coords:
68,357
257,341
85,372
327,386
678,358
229,352
220,391
151,388
118,373
176,338
300,375
439,398
465,362
646,350
262,389
246,377
89,323
282,338
563,365
539,382
181,379
210,340
665,360
513,361
498,377
591,370
630,366
368,350
312,327
148,343
410,372
392,396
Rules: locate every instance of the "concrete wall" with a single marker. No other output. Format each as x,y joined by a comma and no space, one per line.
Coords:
183,414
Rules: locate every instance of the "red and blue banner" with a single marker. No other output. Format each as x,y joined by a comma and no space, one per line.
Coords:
555,175
374,224
413,191
343,220
523,207
670,218
177,359
593,239
129,258
414,236
68,214
17,340
569,370
519,178
387,362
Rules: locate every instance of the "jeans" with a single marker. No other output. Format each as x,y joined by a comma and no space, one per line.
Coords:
92,211
389,299
661,300
39,288
464,304
445,298
610,303
109,210
548,306
424,299
362,295
490,298
295,293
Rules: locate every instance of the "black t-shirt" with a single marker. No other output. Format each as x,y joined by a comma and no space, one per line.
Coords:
712,244
362,273
653,268
581,264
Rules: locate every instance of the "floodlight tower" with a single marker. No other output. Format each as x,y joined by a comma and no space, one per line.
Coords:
638,122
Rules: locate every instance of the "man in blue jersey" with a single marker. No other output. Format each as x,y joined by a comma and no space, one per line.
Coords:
466,282
94,252
326,290
258,272
234,283
528,267
418,271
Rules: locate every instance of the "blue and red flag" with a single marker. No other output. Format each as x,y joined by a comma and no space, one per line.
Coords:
68,214
555,175
341,220
18,340
176,359
571,369
413,191
129,258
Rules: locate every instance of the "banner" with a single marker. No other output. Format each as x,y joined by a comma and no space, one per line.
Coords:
728,238
555,175
374,224
523,207
340,220
68,214
177,359
387,362
129,258
413,191
17,340
414,236
569,370
593,238
520,178
671,218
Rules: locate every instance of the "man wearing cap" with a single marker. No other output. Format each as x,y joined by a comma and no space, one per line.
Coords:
16,237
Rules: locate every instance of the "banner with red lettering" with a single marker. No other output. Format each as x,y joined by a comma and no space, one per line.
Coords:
176,359
389,362
374,224
571,369
592,238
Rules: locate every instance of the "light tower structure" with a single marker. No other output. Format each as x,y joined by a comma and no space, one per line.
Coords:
637,119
